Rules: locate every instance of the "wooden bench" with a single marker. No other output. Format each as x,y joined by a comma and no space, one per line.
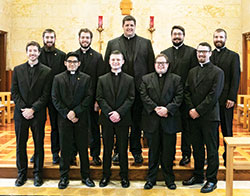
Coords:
10,105
243,109
232,143
2,113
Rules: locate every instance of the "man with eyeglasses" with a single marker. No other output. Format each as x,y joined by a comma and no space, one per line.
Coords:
72,96
181,59
202,91
229,62
162,95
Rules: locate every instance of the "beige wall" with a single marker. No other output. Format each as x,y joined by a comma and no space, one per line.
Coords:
199,17
245,10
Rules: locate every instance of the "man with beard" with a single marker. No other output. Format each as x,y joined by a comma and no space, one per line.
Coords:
30,90
162,95
139,60
203,88
93,65
53,58
181,59
229,62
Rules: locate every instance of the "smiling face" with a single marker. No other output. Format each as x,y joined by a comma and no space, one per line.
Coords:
161,65
203,54
177,37
49,39
85,39
116,61
219,39
32,53
72,63
129,28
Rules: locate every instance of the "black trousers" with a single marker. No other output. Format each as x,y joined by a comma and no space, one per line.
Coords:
22,134
95,140
161,151
185,137
135,134
122,144
226,116
205,133
55,145
69,133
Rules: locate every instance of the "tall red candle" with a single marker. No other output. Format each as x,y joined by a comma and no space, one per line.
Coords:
151,24
100,21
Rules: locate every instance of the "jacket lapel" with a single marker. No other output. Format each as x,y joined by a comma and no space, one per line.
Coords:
156,85
122,47
137,46
110,83
25,73
37,72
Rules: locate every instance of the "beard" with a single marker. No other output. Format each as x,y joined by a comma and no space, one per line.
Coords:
177,43
49,47
219,44
85,47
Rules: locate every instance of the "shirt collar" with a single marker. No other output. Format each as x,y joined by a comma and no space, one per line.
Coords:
177,47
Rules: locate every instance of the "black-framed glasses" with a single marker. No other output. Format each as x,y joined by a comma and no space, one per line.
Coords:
72,62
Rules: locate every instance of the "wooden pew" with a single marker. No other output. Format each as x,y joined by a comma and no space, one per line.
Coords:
10,105
232,143
242,109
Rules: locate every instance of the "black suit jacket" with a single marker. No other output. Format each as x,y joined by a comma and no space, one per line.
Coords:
203,92
66,97
121,103
170,97
143,57
34,95
94,66
229,62
186,59
57,61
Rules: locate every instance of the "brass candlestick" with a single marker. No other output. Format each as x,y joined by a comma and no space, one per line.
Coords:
151,30
100,41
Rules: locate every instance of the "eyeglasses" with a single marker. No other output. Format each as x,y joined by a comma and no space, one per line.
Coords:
72,62
160,63
202,51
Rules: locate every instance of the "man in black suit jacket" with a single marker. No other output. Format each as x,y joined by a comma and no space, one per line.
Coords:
71,96
139,60
181,59
54,59
93,65
229,62
202,91
115,95
161,94
30,91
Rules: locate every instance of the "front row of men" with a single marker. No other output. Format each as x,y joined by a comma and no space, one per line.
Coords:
161,94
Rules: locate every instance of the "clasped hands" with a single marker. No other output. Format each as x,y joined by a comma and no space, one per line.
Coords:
161,111
28,113
72,116
114,116
194,114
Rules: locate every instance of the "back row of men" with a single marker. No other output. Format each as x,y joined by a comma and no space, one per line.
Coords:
139,61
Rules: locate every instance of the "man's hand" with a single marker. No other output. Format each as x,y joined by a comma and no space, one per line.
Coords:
193,114
28,113
114,116
96,107
161,111
75,120
229,104
71,115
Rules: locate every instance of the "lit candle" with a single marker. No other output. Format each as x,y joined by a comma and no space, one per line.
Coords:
100,21
151,24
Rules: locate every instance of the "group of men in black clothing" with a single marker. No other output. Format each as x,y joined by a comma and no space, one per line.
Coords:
182,89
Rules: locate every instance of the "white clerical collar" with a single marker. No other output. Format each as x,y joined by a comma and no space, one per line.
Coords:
129,37
219,49
203,64
31,64
116,72
72,72
177,47
84,50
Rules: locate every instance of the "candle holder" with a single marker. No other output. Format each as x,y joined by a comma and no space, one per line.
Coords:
151,30
100,41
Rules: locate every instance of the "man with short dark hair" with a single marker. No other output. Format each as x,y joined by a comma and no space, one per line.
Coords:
54,59
203,88
139,60
115,96
181,59
162,95
30,90
71,96
93,65
229,62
